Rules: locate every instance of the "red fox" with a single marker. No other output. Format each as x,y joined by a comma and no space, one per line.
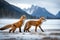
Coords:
34,23
15,25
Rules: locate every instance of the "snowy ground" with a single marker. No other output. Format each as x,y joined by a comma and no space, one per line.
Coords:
51,31
4,35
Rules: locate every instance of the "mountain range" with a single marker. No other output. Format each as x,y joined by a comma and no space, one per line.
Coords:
10,11
39,11
58,15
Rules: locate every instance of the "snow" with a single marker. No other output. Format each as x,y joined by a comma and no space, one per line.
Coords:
39,35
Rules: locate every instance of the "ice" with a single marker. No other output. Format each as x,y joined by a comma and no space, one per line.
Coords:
51,29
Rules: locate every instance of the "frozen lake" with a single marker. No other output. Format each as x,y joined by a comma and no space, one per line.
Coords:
49,24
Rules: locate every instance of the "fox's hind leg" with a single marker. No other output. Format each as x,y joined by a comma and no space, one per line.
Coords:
28,28
14,29
25,27
10,30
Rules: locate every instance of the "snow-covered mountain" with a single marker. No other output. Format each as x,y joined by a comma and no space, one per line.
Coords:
39,11
58,15
10,11
30,10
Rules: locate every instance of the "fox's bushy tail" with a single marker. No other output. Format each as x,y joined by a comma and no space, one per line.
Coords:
5,27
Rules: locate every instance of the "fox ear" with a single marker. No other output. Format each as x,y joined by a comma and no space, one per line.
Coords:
41,16
24,15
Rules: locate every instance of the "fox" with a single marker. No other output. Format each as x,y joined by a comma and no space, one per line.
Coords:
15,25
34,23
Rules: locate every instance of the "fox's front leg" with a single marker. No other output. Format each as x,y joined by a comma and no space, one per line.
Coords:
36,29
19,29
41,28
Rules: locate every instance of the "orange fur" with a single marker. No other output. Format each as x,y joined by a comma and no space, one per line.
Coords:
34,23
15,25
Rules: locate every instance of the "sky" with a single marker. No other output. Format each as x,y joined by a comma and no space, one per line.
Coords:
53,6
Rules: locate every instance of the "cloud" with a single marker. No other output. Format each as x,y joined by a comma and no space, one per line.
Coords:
22,6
